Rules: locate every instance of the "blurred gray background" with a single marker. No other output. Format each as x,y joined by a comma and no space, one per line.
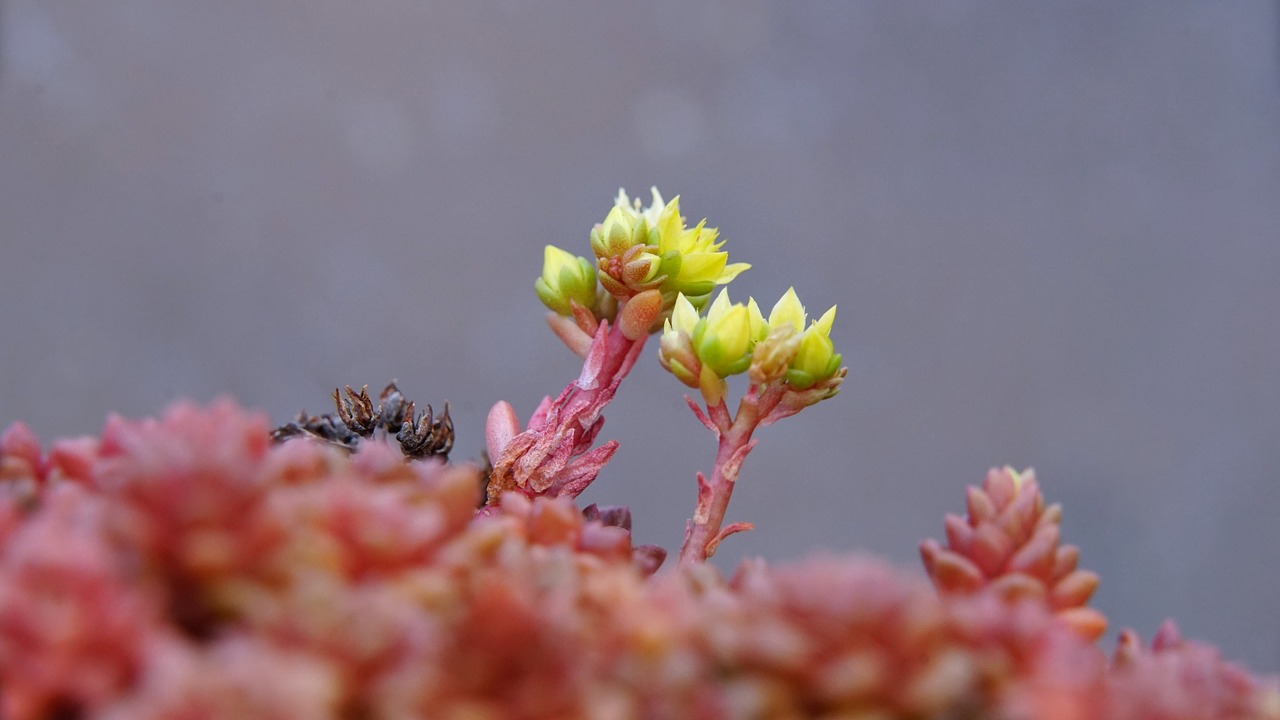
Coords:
1053,231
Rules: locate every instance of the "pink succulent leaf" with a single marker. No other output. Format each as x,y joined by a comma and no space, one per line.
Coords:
570,333
584,318
20,443
648,558
588,436
1167,638
539,417
500,427
593,364
583,471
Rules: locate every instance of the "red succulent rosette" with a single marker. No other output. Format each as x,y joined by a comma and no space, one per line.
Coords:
1010,545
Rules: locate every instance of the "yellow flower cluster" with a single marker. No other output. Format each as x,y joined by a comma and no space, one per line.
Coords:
639,249
733,338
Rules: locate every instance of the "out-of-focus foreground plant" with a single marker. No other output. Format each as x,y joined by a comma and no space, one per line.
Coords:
200,565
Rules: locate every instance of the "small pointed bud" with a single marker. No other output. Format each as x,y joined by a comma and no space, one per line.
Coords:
565,278
773,355
616,233
815,360
1128,649
723,338
501,425
676,355
1168,637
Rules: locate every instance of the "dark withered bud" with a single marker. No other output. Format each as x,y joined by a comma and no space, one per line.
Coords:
425,436
357,419
326,427
356,410
609,515
391,406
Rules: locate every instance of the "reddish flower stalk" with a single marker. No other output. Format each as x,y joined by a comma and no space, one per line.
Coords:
553,456
704,532
764,404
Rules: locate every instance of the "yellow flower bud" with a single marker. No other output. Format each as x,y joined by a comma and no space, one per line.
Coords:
675,348
772,356
684,318
565,277
676,355
723,338
816,358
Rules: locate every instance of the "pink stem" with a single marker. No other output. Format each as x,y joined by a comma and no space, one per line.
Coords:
551,457
703,532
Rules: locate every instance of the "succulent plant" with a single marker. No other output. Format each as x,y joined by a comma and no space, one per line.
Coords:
199,565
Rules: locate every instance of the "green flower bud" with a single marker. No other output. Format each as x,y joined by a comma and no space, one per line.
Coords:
677,356
723,338
675,348
816,358
615,235
565,277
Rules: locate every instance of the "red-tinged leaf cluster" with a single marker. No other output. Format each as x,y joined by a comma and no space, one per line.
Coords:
1176,679
1009,544
186,568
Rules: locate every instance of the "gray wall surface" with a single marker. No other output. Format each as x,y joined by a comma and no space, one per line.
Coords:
1053,231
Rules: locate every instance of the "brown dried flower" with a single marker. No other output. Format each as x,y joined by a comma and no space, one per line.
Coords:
356,419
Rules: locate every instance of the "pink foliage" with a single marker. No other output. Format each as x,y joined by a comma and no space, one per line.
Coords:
186,568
